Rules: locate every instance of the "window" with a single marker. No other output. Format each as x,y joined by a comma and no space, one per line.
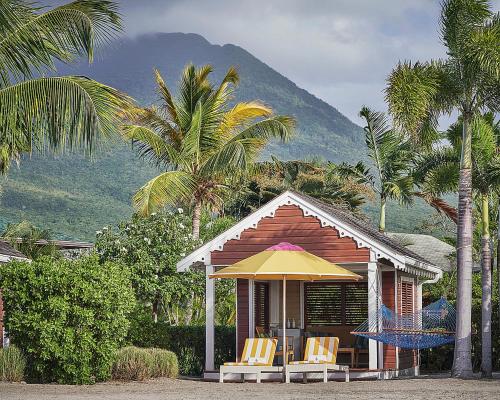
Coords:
329,303
406,297
261,303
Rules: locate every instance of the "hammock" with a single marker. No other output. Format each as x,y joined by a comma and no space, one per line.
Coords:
432,326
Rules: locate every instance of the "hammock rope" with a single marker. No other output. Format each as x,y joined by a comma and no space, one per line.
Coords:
432,326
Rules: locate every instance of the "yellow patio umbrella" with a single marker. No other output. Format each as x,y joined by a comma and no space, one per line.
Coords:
285,261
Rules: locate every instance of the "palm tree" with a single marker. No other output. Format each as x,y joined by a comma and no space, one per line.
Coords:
391,155
440,172
39,112
30,240
315,178
200,141
467,81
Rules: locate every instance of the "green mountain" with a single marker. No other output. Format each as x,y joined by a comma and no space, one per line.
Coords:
73,196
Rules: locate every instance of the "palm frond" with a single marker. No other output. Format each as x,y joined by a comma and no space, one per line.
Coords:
168,188
31,41
151,145
439,205
168,104
60,112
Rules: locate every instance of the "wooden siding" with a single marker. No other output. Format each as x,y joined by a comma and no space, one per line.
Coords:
290,225
242,317
388,298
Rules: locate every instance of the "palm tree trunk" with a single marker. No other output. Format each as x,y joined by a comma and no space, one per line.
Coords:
462,363
196,219
381,224
486,366
498,260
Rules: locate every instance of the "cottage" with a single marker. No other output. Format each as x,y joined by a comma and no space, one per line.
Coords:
392,275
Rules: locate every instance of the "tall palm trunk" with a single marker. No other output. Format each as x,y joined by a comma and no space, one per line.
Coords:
498,260
462,363
196,219
381,223
486,366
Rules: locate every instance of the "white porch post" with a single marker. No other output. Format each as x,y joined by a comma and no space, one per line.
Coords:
209,319
251,308
372,310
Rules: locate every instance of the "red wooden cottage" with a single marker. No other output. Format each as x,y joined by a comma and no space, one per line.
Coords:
392,275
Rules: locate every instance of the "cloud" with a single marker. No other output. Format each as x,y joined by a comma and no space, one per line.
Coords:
341,51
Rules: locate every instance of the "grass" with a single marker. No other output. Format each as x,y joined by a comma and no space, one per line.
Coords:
12,364
138,364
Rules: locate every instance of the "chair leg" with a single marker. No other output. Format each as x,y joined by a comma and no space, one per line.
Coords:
221,376
287,376
347,375
325,375
242,378
304,377
258,377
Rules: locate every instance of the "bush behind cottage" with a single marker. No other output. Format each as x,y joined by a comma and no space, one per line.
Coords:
68,317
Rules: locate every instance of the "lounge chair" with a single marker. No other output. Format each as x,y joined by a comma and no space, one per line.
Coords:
320,356
257,357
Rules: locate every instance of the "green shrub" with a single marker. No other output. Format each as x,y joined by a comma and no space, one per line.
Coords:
12,364
165,363
69,317
187,342
133,364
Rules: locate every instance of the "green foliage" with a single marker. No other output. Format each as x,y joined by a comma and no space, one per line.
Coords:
30,240
12,364
53,113
441,359
151,247
187,342
199,140
69,317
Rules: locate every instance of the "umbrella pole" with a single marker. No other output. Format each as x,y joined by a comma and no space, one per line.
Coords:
285,347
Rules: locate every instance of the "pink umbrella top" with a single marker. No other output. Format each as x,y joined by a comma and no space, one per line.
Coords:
285,246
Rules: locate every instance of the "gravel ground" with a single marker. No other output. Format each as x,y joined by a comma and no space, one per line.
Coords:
422,388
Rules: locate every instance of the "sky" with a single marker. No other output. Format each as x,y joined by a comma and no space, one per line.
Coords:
339,50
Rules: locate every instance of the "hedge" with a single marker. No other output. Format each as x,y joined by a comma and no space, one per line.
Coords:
187,342
68,317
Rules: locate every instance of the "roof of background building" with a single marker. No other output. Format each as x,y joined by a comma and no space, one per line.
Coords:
7,250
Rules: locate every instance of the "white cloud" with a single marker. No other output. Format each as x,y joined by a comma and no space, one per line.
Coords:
339,50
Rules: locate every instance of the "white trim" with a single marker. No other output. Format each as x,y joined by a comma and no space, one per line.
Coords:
251,309
400,261
209,320
372,312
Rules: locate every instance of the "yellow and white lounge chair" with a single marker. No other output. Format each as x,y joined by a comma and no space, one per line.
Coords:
320,356
257,357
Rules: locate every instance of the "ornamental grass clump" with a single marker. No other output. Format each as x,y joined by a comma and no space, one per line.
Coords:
12,364
133,364
165,363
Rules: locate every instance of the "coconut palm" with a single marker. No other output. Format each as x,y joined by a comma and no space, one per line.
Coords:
391,155
314,178
200,141
39,112
439,172
467,81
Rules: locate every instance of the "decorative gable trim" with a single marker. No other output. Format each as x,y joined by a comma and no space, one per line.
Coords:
202,254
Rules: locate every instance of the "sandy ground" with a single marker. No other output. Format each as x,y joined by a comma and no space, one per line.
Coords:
422,388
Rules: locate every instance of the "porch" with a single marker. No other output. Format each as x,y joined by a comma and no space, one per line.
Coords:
392,275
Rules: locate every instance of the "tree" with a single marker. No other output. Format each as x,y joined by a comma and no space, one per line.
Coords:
314,178
199,141
68,317
439,171
467,81
39,112
30,240
391,155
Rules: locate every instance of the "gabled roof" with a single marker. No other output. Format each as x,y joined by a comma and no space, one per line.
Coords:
7,253
347,224
442,253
